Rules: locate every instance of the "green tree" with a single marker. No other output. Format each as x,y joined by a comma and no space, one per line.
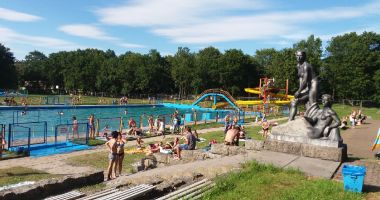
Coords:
351,63
207,65
8,76
182,70
313,48
237,71
284,67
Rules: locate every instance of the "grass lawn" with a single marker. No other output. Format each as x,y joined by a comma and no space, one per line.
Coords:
251,132
11,154
100,160
15,175
91,189
343,110
202,125
95,142
257,181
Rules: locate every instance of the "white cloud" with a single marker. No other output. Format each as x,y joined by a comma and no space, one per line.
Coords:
210,21
9,36
131,45
171,12
86,31
12,15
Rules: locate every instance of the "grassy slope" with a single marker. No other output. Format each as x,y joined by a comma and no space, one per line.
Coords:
343,110
257,181
19,174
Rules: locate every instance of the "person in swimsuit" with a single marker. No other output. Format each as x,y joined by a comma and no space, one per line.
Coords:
265,125
112,155
151,124
75,127
232,136
120,143
139,143
132,126
91,126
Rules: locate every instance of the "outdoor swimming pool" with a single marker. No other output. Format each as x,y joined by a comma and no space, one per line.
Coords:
42,126
109,115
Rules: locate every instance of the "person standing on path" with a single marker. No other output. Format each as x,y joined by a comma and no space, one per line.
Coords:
112,156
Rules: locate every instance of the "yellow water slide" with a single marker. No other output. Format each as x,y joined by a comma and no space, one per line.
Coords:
286,99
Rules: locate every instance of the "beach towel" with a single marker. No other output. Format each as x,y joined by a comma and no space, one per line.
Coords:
377,141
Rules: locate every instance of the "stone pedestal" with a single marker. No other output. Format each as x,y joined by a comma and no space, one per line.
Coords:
292,137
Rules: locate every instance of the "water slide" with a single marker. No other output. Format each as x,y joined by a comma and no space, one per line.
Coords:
236,103
285,99
217,93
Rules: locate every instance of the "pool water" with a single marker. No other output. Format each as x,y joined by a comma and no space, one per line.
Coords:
53,148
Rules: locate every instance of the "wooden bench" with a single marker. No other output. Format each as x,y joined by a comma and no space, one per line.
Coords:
193,191
67,196
99,194
131,193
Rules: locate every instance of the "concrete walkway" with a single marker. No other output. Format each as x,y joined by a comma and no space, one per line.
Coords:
213,167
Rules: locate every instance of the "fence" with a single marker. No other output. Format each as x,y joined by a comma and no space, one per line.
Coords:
359,103
28,133
74,133
2,136
21,116
107,125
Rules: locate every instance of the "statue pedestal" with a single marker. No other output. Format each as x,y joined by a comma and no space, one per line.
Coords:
292,137
297,131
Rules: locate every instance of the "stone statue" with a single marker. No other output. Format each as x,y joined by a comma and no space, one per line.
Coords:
307,91
325,122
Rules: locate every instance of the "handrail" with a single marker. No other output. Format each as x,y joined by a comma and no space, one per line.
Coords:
218,91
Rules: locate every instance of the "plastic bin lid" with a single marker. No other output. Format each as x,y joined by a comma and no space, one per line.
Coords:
353,170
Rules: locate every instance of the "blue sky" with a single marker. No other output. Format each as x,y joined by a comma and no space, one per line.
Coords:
140,25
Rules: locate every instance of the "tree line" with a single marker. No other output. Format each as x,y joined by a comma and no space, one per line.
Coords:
348,68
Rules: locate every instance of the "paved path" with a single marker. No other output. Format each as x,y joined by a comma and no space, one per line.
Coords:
213,167
360,139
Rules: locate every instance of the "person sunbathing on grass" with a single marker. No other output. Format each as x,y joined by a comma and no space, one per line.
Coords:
155,147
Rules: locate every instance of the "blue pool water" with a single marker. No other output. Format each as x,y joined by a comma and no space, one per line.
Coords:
39,150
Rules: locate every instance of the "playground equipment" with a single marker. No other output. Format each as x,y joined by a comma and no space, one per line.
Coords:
268,94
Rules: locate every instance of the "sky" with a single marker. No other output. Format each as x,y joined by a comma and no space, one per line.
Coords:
51,26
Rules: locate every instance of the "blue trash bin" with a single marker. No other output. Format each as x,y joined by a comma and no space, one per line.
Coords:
353,177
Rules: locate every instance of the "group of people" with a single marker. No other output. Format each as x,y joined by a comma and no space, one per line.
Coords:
356,118
233,131
174,147
115,147
9,101
156,126
123,100
176,122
